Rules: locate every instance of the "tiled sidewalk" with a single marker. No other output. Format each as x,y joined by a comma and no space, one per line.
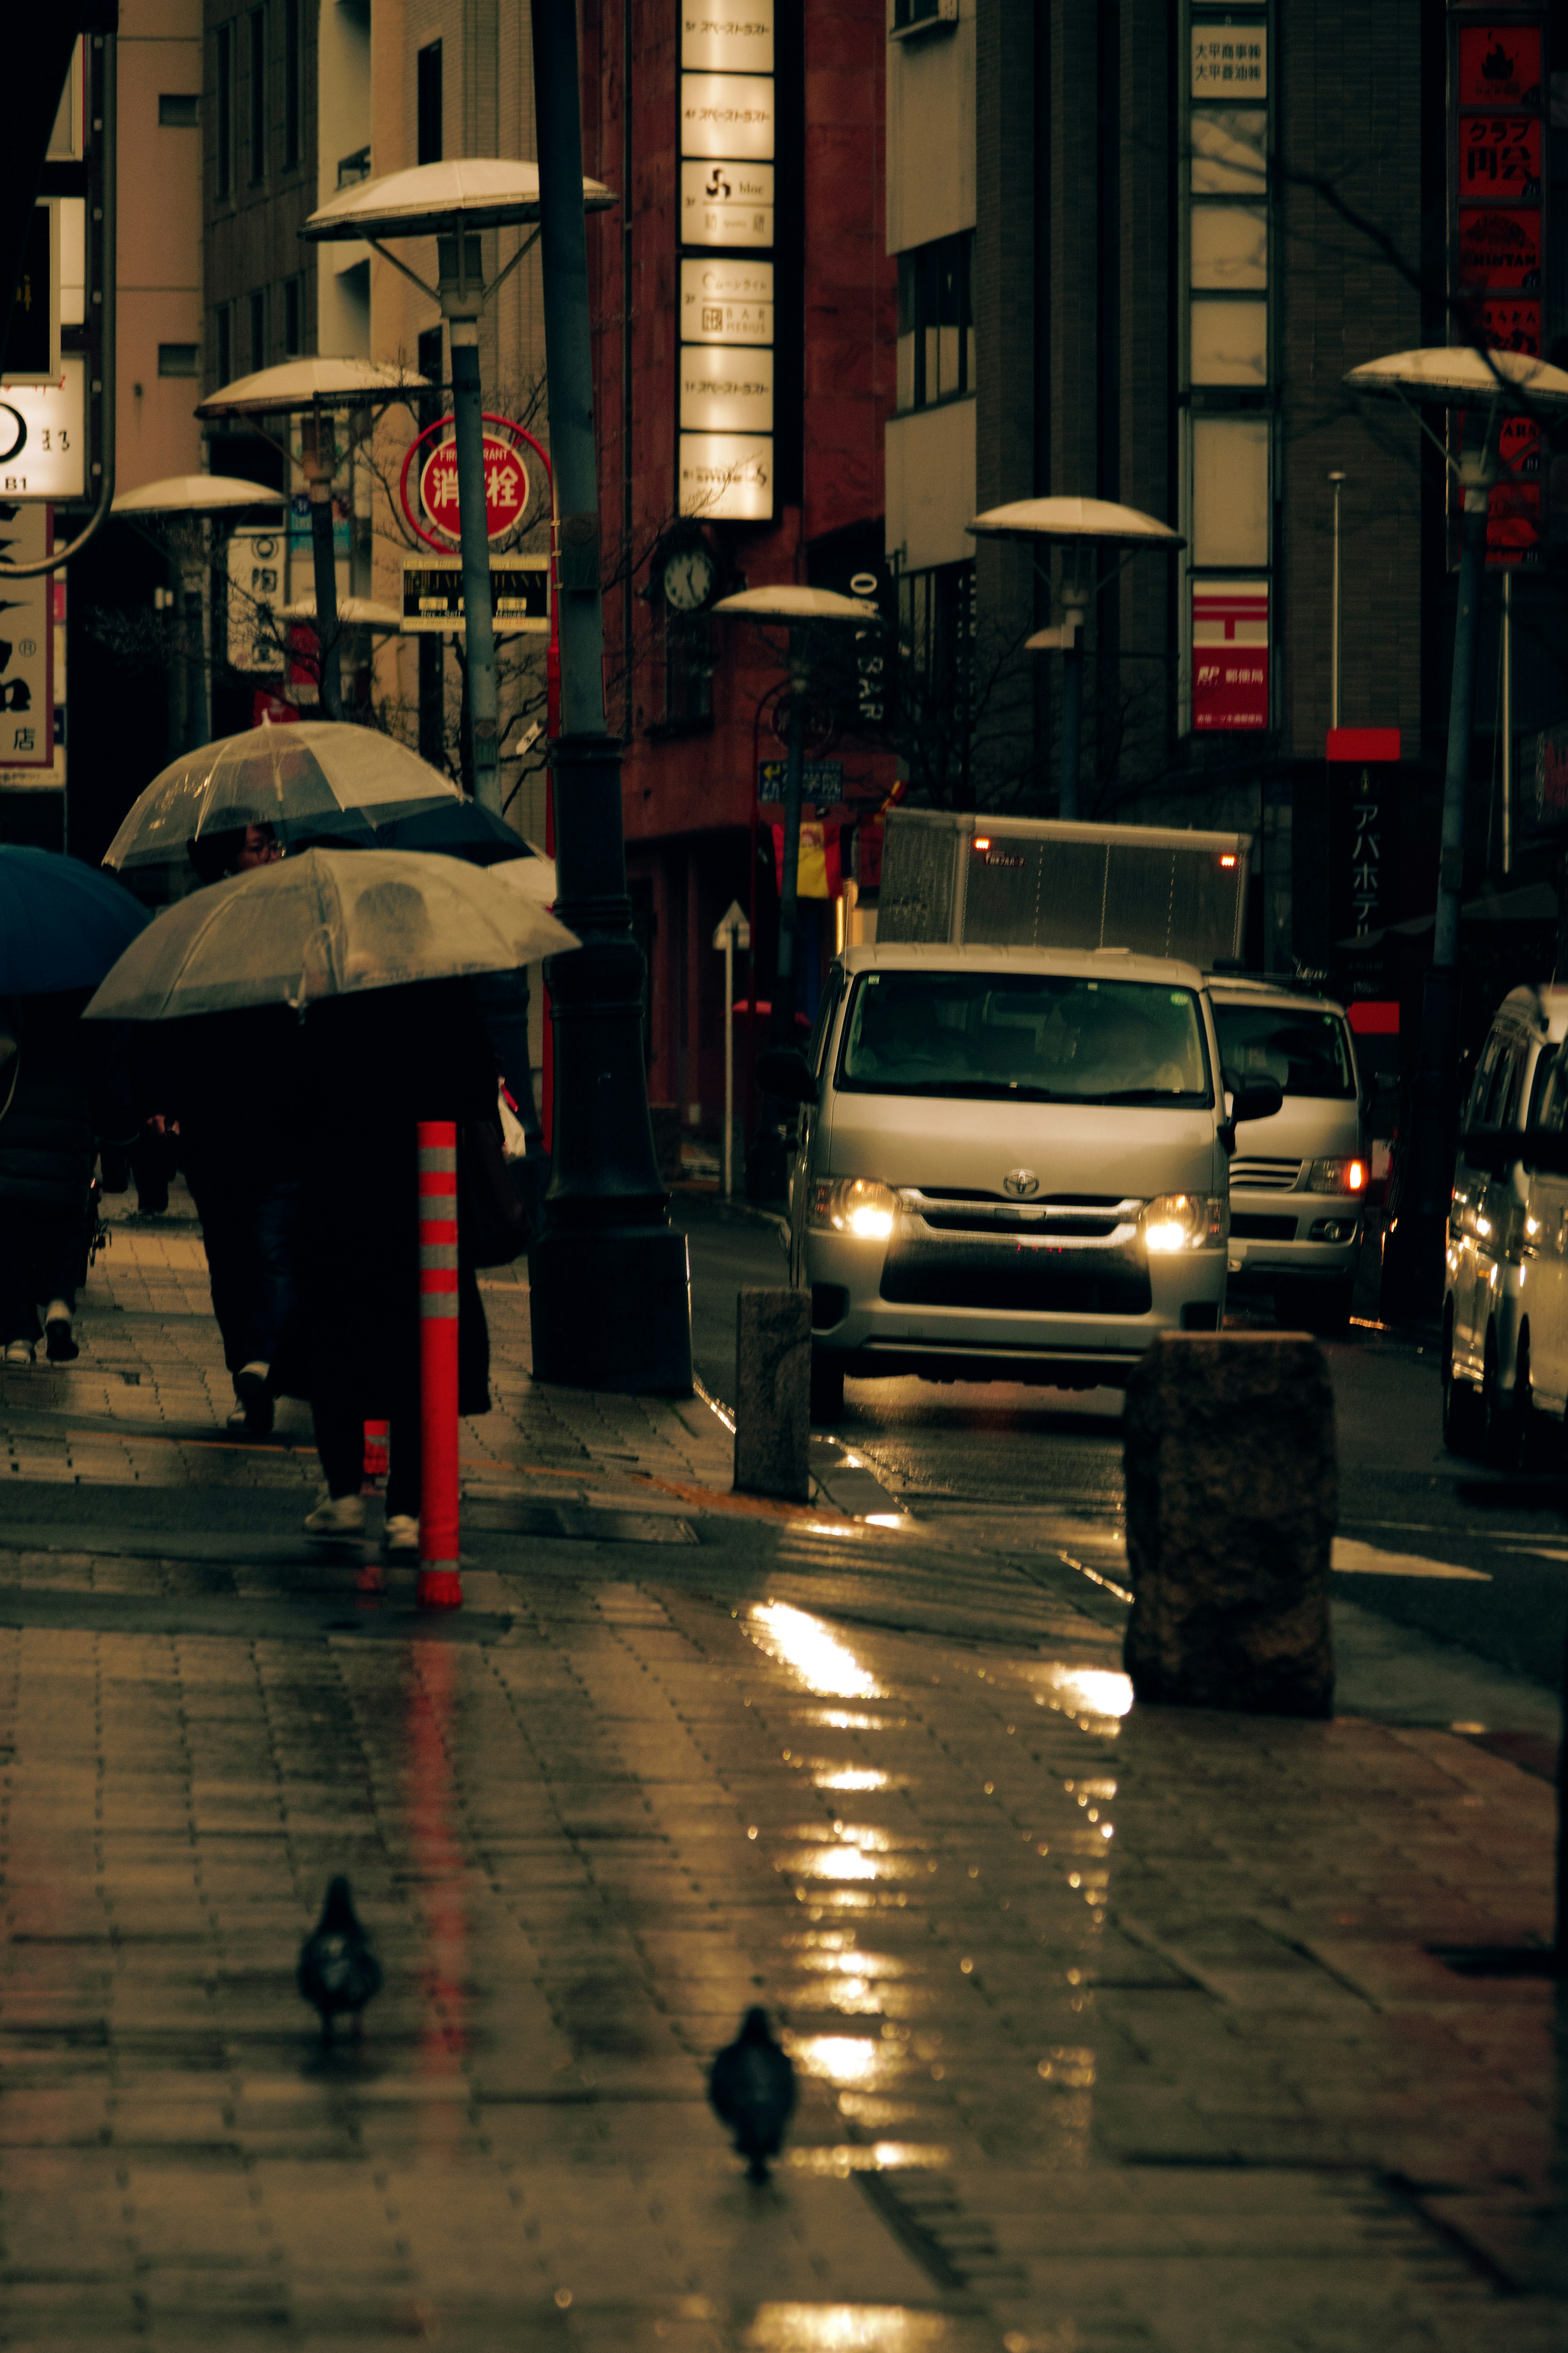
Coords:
1118,2029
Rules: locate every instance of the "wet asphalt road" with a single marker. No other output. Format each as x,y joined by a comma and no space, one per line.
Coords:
944,1448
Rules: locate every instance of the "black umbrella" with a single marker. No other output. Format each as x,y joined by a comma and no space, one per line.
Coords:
454,829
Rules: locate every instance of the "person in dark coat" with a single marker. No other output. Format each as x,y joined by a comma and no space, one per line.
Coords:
375,1065
48,1152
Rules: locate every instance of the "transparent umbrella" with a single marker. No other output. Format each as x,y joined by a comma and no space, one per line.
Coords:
305,780
326,923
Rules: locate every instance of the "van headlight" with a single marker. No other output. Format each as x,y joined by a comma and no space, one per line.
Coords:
1337,1176
853,1205
1183,1221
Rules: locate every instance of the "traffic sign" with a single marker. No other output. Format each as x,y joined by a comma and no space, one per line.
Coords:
506,488
732,926
520,595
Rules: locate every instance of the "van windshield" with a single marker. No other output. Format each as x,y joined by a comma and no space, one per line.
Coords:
1028,1036
1304,1053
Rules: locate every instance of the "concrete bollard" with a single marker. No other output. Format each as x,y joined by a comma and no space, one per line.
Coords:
1232,1495
773,1393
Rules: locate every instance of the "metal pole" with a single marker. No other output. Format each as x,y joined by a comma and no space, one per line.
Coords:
781,1025
478,621
1334,615
438,1586
320,460
1072,728
609,1290
728,1059
1413,1254
1506,717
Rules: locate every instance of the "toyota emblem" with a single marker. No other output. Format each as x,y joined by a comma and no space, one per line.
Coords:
1020,1183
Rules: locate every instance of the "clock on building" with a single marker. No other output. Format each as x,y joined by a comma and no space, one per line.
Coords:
689,578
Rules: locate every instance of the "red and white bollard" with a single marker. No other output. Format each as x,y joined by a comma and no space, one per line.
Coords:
377,1449
439,1586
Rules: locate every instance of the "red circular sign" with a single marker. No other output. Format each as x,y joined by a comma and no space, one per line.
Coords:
506,488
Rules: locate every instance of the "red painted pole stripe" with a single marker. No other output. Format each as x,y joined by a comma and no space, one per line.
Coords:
438,1587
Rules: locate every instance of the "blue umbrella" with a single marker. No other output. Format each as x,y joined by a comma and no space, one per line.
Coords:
62,924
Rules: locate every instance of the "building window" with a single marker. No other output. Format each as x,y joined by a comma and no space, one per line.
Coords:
428,362
178,110
688,668
226,343
353,168
224,76
293,316
258,95
429,104
292,84
936,322
258,328
177,359
919,11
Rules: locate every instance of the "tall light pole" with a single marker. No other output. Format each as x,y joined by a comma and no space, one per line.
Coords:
1489,387
1081,526
196,499
453,203
1337,481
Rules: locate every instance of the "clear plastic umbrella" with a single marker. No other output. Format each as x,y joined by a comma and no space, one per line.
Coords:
329,923
305,780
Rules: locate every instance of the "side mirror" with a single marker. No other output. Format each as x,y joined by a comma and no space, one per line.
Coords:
783,1072
1259,1099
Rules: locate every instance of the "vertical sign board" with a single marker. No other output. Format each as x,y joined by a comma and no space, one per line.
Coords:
725,403
255,588
26,650
1498,245
1363,817
1230,655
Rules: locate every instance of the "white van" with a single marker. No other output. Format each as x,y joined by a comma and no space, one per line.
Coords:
1299,1184
1011,1164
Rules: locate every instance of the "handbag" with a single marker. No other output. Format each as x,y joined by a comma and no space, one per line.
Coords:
493,1225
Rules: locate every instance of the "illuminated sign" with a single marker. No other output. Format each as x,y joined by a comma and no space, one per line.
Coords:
726,302
726,203
727,477
255,587
1230,654
27,644
728,35
520,595
727,115
726,391
43,437
1230,61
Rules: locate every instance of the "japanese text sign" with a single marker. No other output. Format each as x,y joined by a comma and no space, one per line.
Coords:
1230,655
1230,61
506,488
1499,65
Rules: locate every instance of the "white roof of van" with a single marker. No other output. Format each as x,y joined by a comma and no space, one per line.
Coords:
1092,964
1549,1003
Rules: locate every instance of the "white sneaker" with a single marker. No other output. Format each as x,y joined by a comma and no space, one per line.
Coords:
18,1352
401,1533
337,1516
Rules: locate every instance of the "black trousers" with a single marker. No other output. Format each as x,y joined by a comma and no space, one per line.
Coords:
42,1257
339,1442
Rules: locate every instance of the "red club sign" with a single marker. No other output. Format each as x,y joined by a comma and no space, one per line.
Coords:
436,454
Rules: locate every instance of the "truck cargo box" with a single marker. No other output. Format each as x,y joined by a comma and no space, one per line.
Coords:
1035,883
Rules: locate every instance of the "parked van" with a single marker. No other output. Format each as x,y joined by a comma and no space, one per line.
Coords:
1489,1289
1011,1164
1298,1183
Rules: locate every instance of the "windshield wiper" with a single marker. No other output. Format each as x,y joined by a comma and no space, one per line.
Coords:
1147,1095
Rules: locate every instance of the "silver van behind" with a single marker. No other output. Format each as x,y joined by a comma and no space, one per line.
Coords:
1298,1183
1011,1164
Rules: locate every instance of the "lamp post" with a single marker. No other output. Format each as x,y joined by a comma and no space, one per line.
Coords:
1337,481
315,391
453,203
193,497
1495,385
1081,526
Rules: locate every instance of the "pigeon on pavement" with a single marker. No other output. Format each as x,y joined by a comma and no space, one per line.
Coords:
753,2088
337,1970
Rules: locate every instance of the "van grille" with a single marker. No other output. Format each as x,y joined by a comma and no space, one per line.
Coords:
1016,1282
1264,1175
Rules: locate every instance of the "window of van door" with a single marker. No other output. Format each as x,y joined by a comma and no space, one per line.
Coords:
1545,1294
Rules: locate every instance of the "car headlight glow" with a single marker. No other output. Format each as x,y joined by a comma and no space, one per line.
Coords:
1179,1221
1337,1176
853,1205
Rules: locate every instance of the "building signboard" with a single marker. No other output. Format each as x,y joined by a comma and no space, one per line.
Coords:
1499,156
27,644
1500,246
728,35
1544,775
43,436
724,391
726,114
520,595
255,587
727,203
1230,655
728,301
506,487
727,477
1230,61
1499,65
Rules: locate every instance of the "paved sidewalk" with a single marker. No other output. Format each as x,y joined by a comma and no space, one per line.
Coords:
1118,2029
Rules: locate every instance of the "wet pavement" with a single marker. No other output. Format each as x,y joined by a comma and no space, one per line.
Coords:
1117,2028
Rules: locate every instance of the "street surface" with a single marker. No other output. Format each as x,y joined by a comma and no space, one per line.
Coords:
1117,2028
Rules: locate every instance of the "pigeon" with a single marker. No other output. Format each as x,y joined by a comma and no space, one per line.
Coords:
337,1970
753,2088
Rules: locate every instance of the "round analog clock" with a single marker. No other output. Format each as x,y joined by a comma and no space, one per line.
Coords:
690,576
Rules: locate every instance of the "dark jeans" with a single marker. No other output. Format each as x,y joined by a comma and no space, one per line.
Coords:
41,1259
339,1442
249,1232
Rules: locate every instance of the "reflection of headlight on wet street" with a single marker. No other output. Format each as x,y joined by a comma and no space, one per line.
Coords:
822,1663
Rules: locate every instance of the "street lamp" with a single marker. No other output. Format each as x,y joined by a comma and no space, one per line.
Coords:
1083,526
315,391
453,202
196,496
1498,385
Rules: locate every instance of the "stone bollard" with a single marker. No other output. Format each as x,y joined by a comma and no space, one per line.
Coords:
1232,1495
773,1400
